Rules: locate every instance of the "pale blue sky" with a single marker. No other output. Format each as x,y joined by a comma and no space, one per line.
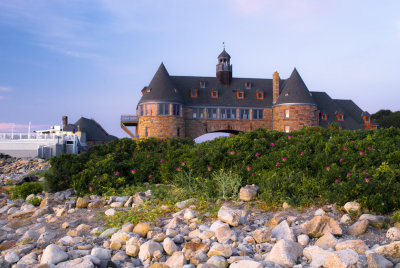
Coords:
91,58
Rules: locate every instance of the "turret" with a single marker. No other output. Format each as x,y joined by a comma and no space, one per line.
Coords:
224,68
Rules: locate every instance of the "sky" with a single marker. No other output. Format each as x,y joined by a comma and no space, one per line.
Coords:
91,58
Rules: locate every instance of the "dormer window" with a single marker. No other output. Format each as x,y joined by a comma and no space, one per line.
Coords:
247,85
260,95
367,118
214,94
286,94
202,84
324,117
340,117
240,95
193,93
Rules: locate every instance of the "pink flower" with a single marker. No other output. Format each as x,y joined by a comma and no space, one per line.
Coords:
133,171
178,168
336,181
283,159
232,152
116,173
341,159
183,163
272,144
365,173
257,154
90,188
302,153
150,176
289,137
162,160
348,175
209,168
366,179
248,168
328,168
278,164
361,152
148,156
344,148
252,174
238,153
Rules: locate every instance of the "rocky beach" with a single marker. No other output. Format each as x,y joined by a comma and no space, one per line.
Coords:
69,231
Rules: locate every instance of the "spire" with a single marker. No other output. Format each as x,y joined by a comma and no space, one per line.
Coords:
295,91
161,88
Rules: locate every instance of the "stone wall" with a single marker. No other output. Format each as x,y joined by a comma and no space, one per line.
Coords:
299,116
162,126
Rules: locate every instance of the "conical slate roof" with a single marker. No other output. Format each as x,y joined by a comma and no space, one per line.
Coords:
224,54
161,88
93,130
295,91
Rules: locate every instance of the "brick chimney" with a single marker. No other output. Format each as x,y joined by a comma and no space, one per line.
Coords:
275,87
64,121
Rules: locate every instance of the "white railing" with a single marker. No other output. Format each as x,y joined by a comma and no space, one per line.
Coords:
32,136
127,118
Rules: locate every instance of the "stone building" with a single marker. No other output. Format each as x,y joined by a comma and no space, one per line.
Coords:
190,106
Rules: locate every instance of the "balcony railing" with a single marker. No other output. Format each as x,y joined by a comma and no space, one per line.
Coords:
129,118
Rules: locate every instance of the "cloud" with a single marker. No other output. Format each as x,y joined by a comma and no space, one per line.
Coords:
8,127
4,89
73,53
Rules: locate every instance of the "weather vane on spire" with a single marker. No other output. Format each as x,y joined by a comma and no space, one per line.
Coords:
223,45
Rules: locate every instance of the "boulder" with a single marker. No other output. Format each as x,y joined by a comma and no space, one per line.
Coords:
224,233
374,220
140,198
117,204
142,228
229,215
285,253
352,207
377,261
345,219
169,246
274,221
53,254
220,250
326,241
132,250
393,233
390,251
358,228
176,260
101,253
321,225
11,257
110,212
358,245
346,258
84,262
127,227
262,235
148,249
97,203
248,193
283,231
174,223
82,202
303,240
189,214
217,261
316,255
247,264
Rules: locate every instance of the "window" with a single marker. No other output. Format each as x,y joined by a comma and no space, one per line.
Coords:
247,85
197,113
286,94
287,129
367,119
163,109
340,117
148,109
141,110
193,93
214,94
176,109
202,84
324,117
258,114
260,95
212,113
286,113
227,113
146,132
178,132
240,95
244,114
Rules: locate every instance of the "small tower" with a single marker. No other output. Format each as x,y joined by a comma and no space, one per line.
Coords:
224,68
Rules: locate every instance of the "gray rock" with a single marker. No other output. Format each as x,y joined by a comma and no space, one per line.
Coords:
326,241
248,193
358,228
374,220
53,254
169,246
224,233
84,262
352,207
303,240
285,253
377,261
148,249
342,258
229,215
101,253
393,233
247,264
11,257
390,251
283,231
218,261
176,260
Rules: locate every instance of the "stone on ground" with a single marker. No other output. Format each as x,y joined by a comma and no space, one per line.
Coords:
283,231
53,254
358,245
229,215
285,253
148,249
262,235
224,233
378,261
352,207
248,193
220,250
82,202
101,253
393,233
142,229
326,241
321,225
247,264
390,251
176,260
358,228
342,259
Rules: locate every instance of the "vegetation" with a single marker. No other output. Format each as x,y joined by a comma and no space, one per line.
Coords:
301,168
25,189
35,201
387,118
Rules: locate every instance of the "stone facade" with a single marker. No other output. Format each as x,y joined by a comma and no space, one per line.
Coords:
294,117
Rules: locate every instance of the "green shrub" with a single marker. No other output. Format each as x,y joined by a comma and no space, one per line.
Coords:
227,184
35,201
25,189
